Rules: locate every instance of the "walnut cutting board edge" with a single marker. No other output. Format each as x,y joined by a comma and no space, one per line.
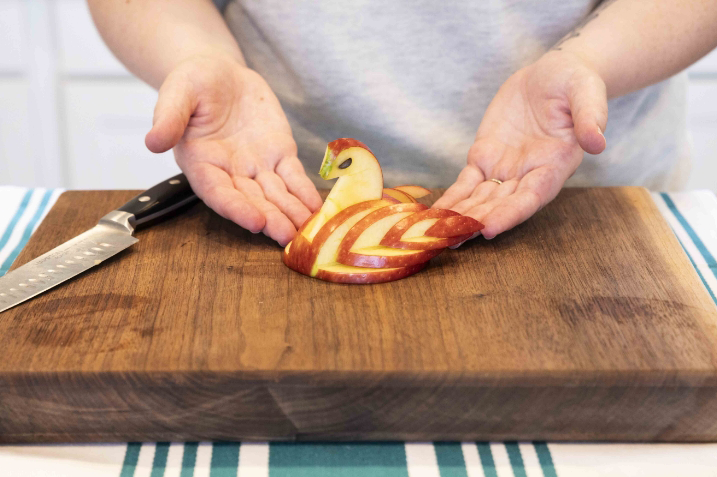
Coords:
585,323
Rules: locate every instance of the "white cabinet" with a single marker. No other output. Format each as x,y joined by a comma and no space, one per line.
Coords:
15,146
81,50
70,114
707,65
106,122
702,122
702,125
12,46
106,111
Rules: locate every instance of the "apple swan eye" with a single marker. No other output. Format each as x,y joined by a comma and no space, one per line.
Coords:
345,164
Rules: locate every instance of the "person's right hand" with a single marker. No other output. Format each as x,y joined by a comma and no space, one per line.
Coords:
233,142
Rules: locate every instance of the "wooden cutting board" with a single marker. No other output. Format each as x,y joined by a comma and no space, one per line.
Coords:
585,323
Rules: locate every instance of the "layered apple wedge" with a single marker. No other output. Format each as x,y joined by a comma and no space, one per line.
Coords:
365,233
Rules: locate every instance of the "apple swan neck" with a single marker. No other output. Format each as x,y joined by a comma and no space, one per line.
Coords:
347,191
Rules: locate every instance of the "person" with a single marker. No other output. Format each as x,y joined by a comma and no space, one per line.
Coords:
413,79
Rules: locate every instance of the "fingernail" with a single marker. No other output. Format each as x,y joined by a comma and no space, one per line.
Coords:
600,132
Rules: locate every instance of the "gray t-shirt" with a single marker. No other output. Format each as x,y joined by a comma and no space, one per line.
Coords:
412,79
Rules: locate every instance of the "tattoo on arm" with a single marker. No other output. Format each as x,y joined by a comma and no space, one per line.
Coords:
575,32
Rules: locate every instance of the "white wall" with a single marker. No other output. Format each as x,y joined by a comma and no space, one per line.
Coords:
702,122
72,116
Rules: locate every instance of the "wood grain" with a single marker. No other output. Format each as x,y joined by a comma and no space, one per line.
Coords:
585,323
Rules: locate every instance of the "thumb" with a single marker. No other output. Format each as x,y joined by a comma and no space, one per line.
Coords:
587,96
175,105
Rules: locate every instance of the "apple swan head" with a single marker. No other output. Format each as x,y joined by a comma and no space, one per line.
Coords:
346,157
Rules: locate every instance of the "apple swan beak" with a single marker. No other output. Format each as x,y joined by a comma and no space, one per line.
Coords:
326,165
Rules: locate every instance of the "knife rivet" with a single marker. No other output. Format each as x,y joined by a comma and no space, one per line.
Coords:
144,198
175,181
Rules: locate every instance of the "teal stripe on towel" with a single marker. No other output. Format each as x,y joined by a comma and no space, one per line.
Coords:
189,459
387,459
449,456
160,459
516,459
225,459
13,222
130,459
545,459
709,259
27,233
486,459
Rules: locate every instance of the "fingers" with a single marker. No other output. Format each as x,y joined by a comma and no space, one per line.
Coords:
275,192
453,247
508,212
277,225
587,96
479,195
175,105
464,186
486,196
518,200
242,201
215,187
292,173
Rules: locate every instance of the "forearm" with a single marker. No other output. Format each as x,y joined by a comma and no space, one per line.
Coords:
151,37
634,43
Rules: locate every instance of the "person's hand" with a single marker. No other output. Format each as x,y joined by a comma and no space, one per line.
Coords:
234,144
532,139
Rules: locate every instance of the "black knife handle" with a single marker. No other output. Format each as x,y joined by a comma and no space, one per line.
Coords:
159,200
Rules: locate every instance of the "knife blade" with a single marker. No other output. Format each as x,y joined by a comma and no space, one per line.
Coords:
111,235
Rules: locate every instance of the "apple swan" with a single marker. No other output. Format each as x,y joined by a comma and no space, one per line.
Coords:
364,233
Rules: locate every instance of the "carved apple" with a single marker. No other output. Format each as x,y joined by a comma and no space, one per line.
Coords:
365,233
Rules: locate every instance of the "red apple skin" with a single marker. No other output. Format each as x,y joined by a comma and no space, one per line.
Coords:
393,236
347,257
373,217
450,229
299,250
382,261
344,143
372,277
390,199
399,195
454,226
302,257
413,190
439,244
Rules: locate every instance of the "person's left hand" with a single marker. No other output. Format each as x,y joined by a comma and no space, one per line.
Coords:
531,138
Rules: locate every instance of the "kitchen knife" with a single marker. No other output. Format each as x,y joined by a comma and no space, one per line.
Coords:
110,236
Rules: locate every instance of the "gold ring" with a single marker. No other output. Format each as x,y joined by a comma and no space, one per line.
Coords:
497,181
